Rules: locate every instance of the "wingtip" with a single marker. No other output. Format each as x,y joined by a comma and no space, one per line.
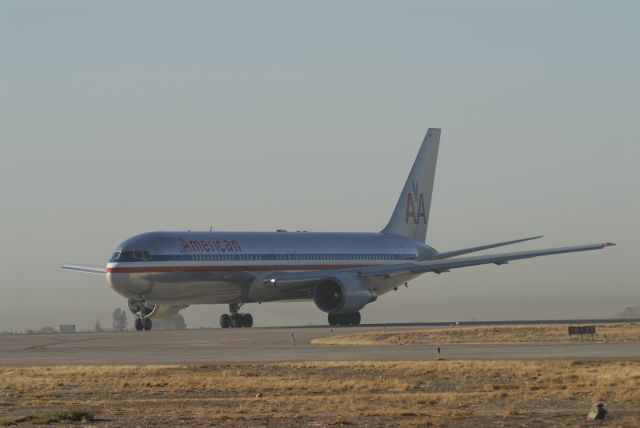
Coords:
608,244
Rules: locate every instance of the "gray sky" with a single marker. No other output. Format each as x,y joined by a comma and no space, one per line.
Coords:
121,117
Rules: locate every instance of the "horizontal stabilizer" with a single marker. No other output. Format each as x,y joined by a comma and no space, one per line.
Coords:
85,269
447,254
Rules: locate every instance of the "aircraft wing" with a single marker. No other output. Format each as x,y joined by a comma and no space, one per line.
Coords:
447,254
439,266
295,280
85,269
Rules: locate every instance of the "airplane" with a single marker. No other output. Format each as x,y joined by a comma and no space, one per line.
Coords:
161,273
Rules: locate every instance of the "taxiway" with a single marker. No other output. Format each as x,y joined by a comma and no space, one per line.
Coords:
269,345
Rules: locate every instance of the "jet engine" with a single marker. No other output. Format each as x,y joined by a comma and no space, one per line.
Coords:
342,295
153,311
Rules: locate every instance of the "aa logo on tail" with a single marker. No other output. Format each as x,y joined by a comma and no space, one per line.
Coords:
415,198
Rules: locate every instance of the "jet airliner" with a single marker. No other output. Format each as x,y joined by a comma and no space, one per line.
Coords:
161,273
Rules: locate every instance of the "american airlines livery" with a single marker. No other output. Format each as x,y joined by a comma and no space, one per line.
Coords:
161,273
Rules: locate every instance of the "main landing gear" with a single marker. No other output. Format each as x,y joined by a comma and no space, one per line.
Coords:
236,319
353,318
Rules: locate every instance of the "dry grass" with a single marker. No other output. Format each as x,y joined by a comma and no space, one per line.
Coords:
52,417
458,393
621,332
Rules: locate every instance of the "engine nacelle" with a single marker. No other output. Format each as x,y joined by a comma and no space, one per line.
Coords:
342,294
153,311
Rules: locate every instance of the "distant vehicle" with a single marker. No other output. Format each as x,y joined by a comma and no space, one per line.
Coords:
161,273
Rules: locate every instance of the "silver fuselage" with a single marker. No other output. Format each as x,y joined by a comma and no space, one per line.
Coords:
184,268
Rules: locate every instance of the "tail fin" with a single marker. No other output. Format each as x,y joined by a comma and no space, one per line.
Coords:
411,216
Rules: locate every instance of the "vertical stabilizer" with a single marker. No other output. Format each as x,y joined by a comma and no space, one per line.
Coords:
411,216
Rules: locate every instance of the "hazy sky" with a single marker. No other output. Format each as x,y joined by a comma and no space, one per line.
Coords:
118,117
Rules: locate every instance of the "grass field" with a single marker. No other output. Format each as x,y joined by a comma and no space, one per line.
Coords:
427,393
480,334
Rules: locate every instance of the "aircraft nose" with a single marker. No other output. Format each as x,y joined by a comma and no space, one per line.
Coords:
119,281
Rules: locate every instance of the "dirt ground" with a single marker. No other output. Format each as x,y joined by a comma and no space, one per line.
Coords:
621,332
425,393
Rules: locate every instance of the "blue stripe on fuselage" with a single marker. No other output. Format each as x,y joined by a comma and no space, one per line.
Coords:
340,257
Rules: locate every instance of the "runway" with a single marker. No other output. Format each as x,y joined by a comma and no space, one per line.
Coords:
268,345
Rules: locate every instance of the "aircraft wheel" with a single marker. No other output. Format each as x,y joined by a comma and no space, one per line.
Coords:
147,324
139,325
355,318
247,320
236,320
225,321
333,319
344,319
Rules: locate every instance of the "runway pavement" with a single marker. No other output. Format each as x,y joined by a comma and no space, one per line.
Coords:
267,345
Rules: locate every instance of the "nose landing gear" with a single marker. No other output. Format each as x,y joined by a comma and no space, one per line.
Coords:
141,310
143,323
236,319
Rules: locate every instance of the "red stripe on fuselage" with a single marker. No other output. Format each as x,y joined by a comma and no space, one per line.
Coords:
244,268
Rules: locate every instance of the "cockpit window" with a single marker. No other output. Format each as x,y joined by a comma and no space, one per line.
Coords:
132,254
